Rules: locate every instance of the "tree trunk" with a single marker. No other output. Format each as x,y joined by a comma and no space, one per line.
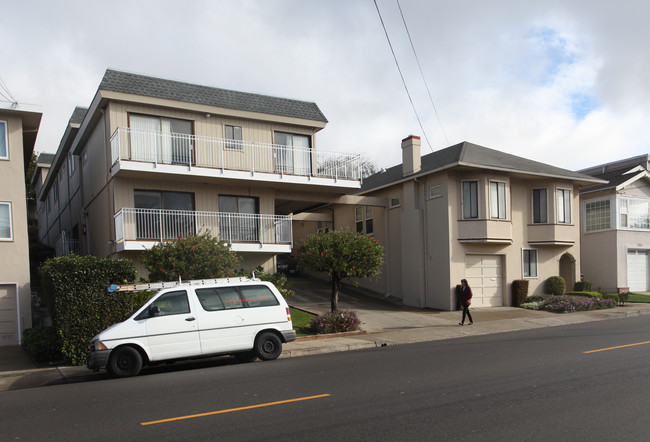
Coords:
335,293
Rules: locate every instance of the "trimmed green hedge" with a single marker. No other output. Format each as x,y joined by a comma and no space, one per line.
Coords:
582,286
555,285
519,292
75,289
613,296
588,294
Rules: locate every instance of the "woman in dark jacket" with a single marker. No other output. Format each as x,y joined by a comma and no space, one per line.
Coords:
465,301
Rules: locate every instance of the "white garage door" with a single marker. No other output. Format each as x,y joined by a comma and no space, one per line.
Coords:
484,274
8,315
637,270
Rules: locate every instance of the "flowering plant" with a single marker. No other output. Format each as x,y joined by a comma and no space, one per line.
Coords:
335,322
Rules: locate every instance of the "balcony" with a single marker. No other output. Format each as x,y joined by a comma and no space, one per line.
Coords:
552,234
142,150
138,229
65,245
485,231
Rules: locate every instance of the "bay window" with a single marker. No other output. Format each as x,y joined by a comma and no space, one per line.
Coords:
563,206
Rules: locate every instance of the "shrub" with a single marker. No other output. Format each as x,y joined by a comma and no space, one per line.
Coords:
531,305
42,343
582,286
192,257
613,296
569,304
75,288
555,285
519,291
458,290
335,322
588,294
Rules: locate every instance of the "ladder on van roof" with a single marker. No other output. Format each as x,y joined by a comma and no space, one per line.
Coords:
151,286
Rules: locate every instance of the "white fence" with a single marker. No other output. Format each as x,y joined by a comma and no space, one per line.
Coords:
160,225
191,150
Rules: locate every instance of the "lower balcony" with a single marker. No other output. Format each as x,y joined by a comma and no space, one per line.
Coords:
552,234
138,229
485,231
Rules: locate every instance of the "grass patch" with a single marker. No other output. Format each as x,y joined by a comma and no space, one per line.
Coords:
300,319
636,297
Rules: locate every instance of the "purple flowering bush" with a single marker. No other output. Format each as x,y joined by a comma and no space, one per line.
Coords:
567,303
335,322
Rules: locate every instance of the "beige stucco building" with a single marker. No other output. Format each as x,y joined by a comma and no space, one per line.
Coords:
615,233
469,212
18,130
152,159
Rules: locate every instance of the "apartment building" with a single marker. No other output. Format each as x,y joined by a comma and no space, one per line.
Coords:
18,131
153,159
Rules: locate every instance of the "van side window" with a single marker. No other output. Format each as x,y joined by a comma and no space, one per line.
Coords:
258,296
172,303
209,299
230,297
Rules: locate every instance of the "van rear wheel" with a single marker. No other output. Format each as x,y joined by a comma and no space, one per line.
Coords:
268,346
125,361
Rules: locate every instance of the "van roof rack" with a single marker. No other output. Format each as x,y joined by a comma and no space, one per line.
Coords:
150,286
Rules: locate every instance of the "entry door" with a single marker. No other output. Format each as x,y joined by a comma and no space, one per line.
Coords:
173,333
637,270
484,274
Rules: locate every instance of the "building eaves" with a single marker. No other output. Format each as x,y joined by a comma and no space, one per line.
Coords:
136,84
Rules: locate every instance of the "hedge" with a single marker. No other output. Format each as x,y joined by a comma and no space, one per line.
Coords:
588,294
582,286
75,289
555,285
519,291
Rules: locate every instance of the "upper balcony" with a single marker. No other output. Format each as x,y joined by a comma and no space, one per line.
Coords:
485,231
138,229
164,152
552,234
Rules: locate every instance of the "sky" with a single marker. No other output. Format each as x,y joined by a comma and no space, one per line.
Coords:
565,82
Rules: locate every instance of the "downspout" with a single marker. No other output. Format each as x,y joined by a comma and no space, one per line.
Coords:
426,242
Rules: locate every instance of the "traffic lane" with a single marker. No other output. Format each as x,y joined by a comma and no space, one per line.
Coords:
367,387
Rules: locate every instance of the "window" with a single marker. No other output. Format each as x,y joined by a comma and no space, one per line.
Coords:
635,213
162,213
470,199
623,210
293,153
55,190
71,164
597,215
563,206
4,145
6,228
233,137
530,263
225,298
435,191
172,303
394,202
324,226
540,206
238,220
497,200
363,219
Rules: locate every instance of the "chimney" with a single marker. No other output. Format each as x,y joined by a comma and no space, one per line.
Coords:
411,162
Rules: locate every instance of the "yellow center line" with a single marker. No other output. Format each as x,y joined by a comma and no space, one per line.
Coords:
614,348
250,407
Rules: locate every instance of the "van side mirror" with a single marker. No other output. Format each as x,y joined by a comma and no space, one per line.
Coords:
154,310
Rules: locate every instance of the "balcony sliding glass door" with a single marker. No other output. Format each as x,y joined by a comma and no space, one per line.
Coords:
161,140
238,221
293,154
162,215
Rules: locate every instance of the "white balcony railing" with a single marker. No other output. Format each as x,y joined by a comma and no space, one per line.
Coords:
65,245
218,153
160,225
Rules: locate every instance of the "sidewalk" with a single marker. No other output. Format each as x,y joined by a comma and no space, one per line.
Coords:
383,323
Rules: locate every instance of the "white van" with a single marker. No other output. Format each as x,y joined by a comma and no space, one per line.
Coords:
247,318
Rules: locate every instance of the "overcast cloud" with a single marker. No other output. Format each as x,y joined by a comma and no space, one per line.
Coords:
559,81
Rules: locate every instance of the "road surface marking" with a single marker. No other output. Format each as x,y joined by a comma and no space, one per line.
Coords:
614,348
250,407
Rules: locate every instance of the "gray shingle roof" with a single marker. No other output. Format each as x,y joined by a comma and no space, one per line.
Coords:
78,115
45,158
472,155
118,81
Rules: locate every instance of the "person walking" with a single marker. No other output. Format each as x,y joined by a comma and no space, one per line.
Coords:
465,301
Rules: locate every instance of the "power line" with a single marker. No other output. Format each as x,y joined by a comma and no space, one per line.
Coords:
402,76
421,73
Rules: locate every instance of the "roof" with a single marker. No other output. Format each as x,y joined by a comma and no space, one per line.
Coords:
45,159
77,115
618,173
473,155
118,81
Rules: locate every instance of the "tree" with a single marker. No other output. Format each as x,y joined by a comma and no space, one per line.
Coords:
343,254
193,257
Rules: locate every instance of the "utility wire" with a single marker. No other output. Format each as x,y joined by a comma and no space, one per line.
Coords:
402,76
421,73
7,95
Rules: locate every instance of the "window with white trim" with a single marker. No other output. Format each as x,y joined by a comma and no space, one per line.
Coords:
71,164
470,199
597,215
563,206
540,206
233,137
634,213
497,199
363,219
530,263
435,191
394,202
4,143
6,226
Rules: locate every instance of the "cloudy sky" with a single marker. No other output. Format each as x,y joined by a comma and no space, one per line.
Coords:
565,82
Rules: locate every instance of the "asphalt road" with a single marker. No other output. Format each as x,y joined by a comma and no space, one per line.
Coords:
530,385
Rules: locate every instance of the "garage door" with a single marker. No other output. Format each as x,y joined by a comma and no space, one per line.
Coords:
8,315
637,270
484,274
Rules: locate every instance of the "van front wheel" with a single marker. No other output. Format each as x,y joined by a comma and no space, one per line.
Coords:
125,361
268,346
